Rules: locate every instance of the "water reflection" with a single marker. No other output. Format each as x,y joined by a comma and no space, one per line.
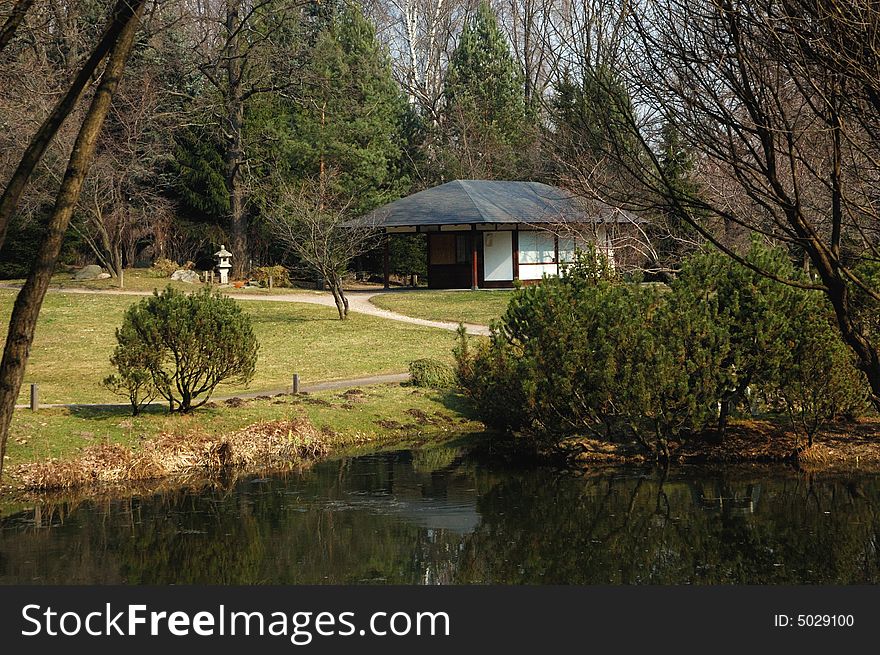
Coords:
438,516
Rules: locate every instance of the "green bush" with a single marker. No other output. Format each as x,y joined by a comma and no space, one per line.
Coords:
431,373
492,377
753,313
188,344
133,360
584,354
818,381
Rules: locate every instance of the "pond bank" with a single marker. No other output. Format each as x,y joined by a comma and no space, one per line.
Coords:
843,446
99,450
93,451
447,515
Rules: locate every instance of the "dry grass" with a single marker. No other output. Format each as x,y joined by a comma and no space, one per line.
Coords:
841,446
262,446
148,279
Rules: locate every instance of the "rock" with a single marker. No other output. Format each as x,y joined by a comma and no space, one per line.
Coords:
104,276
90,272
183,275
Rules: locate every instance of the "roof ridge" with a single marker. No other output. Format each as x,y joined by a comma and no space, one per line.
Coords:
466,187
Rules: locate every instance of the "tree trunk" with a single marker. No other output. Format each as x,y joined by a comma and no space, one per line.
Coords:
29,300
122,13
339,297
117,270
234,146
19,9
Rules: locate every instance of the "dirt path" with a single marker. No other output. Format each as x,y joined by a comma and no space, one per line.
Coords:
359,301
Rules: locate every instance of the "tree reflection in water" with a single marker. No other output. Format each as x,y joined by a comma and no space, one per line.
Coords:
437,516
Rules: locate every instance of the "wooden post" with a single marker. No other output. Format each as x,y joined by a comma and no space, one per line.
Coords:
295,386
556,253
386,261
515,240
35,398
474,277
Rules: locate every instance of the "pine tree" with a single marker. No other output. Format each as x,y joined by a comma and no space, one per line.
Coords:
590,116
486,131
348,118
673,234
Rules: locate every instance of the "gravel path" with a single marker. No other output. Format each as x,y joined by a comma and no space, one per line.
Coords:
359,301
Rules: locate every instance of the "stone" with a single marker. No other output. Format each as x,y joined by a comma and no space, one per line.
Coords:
90,272
183,275
104,276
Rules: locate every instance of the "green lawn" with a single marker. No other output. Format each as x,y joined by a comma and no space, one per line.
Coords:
478,307
366,415
144,279
75,336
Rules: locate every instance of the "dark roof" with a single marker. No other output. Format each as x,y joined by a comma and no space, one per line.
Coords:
492,201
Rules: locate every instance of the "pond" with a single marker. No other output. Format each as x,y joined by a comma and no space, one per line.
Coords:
445,516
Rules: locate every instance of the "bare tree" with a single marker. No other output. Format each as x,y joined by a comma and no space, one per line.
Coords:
421,35
13,19
243,50
531,26
27,306
782,118
123,195
318,228
40,142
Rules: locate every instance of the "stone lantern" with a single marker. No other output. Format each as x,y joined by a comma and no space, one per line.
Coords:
223,266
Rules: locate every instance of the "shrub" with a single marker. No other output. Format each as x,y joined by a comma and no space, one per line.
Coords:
753,313
490,377
133,360
819,381
584,354
164,267
781,338
580,354
188,343
431,373
279,275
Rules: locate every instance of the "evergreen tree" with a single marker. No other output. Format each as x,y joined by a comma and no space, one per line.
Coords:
590,117
486,131
348,118
673,235
197,171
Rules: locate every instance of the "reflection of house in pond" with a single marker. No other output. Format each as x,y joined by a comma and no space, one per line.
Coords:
722,497
434,494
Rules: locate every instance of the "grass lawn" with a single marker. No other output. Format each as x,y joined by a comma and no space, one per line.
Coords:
75,337
369,414
144,279
478,307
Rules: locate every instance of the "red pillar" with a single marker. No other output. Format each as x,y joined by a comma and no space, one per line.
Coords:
474,277
386,261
